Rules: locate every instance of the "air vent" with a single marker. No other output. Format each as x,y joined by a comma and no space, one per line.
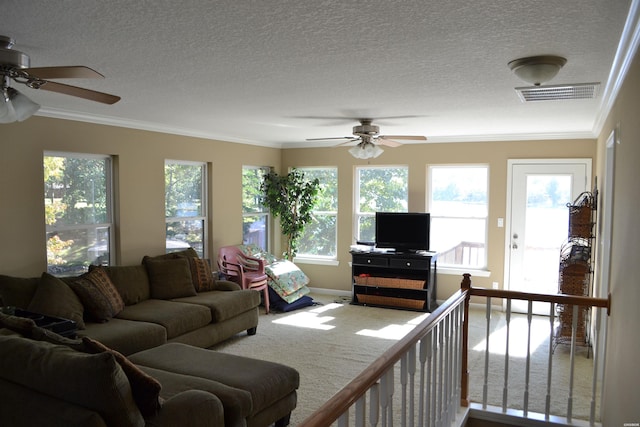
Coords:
558,92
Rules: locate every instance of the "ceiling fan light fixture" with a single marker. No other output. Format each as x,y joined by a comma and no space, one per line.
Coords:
15,106
537,69
366,150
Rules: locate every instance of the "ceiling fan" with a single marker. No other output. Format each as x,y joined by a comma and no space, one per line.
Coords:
15,65
368,138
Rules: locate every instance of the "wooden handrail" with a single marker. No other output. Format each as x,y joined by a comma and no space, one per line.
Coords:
331,410
340,403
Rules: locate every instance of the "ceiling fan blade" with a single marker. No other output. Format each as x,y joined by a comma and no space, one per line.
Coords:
68,72
328,139
352,140
89,94
389,143
407,137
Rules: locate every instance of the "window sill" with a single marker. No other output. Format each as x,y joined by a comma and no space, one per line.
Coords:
456,271
316,261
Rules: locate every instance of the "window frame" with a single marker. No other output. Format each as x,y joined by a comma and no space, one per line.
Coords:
266,213
109,202
357,214
204,211
323,258
442,266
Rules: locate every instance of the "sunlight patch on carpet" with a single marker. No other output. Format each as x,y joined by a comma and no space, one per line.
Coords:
311,319
393,331
517,339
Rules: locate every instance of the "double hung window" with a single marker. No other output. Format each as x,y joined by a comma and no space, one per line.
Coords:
319,238
185,205
255,216
378,189
458,204
78,212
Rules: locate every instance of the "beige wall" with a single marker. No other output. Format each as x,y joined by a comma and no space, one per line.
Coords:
418,158
140,157
623,340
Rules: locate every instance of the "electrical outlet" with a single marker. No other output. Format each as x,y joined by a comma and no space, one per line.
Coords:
495,285
500,222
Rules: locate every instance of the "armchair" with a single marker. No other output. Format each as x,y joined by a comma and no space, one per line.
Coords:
245,270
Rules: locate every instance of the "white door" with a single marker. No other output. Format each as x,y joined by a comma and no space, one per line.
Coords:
538,222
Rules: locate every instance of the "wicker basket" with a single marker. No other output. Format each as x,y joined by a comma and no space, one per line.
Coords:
563,331
389,282
574,279
390,301
580,221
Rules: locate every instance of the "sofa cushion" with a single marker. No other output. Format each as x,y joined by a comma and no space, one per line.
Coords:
201,274
126,336
18,403
17,291
98,295
54,298
236,402
169,278
177,318
98,381
225,304
132,282
145,388
267,382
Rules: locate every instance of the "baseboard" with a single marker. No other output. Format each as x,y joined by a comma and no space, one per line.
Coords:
516,417
325,291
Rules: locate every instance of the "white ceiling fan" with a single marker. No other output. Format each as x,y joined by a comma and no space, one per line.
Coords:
368,138
15,66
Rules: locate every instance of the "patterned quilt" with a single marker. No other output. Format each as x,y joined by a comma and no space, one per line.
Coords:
285,278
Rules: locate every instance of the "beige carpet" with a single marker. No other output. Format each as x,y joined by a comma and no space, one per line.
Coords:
331,343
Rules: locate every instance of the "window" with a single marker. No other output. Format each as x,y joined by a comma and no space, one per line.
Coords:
185,205
255,216
78,216
319,238
458,204
384,189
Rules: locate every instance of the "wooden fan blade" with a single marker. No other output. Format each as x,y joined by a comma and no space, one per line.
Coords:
89,94
407,137
329,139
348,142
389,143
69,72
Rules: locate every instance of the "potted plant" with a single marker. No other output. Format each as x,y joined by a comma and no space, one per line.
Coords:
290,197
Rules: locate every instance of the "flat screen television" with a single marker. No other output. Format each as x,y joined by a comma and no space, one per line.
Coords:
403,231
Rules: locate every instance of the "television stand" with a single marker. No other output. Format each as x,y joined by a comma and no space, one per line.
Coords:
394,279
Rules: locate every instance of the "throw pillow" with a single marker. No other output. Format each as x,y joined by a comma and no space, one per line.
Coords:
99,296
201,274
145,388
17,291
21,325
54,298
42,334
169,278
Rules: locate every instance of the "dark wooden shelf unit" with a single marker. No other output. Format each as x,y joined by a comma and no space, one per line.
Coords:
395,280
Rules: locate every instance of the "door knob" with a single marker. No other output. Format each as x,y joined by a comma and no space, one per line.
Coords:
515,235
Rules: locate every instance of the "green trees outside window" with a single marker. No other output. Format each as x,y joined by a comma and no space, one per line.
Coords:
78,217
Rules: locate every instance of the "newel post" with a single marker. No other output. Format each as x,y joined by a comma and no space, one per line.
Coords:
465,286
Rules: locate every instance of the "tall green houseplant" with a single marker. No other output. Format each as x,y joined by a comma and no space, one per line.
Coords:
290,197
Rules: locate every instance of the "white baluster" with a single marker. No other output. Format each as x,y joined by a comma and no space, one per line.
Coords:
360,411
592,413
505,386
547,406
574,332
374,405
528,360
486,354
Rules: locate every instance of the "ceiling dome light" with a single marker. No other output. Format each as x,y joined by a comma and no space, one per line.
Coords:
366,150
537,69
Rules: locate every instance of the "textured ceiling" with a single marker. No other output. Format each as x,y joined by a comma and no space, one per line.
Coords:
277,72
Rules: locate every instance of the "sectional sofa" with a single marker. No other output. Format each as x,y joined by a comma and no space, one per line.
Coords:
146,327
